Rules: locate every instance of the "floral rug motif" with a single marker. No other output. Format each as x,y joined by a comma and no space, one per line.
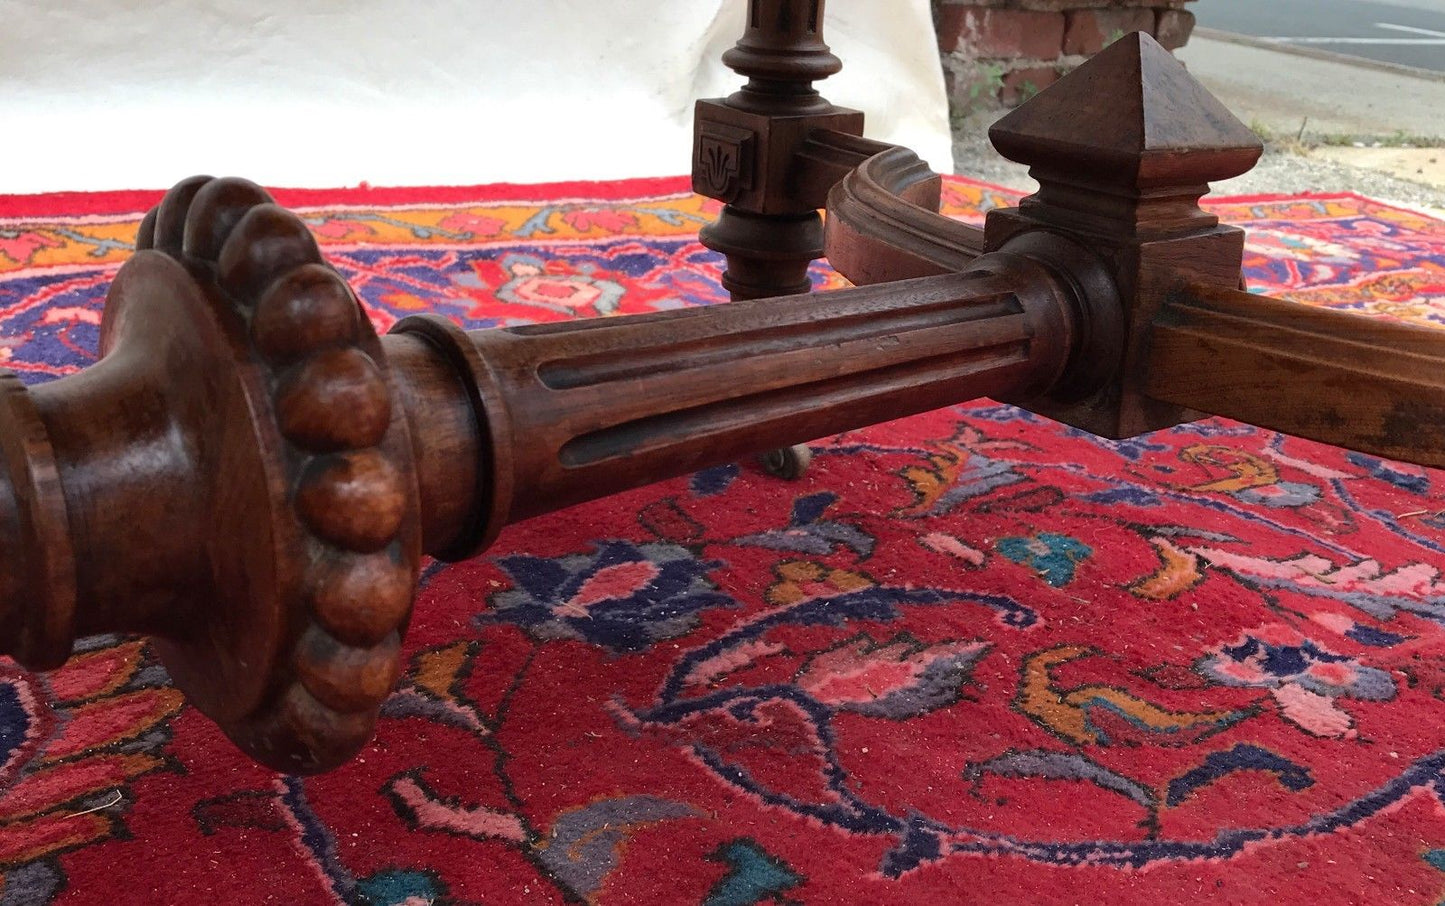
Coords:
972,656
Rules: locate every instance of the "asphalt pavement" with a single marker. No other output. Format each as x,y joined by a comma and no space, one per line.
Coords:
1332,115
1400,32
1325,98
1334,122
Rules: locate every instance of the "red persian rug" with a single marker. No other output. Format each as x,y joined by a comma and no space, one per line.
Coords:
973,656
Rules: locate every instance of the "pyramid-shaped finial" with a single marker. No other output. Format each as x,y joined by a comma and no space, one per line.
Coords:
1132,124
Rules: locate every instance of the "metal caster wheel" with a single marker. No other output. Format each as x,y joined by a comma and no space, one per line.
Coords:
787,462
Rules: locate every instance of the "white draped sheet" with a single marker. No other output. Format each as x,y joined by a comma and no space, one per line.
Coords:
105,94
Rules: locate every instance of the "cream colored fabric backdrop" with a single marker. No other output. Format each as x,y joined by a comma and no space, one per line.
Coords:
99,94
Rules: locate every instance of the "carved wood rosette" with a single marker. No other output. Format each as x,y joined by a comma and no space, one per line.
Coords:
747,145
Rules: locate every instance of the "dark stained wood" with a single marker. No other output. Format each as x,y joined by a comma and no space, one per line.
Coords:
585,409
746,147
1123,148
883,221
247,442
234,477
1371,385
37,612
755,151
1126,145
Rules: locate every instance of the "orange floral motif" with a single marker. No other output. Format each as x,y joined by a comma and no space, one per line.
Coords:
21,246
604,219
473,224
339,228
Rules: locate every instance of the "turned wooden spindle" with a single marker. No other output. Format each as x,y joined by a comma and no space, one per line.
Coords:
581,410
250,475
745,147
234,477
770,152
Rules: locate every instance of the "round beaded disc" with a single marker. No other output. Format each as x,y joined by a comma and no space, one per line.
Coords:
304,587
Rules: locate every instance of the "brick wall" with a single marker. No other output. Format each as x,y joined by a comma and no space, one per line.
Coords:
1002,52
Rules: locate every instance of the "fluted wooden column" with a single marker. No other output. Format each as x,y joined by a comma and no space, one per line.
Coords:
575,411
251,476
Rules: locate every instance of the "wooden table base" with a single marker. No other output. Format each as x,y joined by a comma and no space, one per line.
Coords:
251,475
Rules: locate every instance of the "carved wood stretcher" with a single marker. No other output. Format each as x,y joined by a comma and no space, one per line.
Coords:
251,476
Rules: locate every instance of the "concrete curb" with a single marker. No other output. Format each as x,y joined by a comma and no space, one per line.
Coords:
1229,37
